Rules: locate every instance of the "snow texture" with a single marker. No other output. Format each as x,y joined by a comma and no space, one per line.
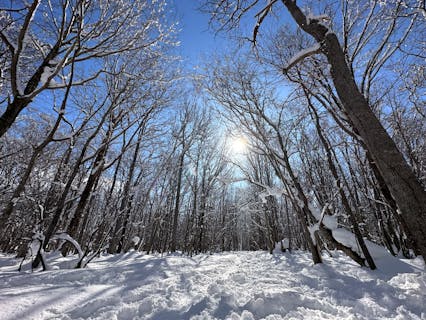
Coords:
238,285
67,237
302,54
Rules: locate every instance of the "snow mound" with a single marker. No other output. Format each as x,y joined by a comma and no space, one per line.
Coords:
238,285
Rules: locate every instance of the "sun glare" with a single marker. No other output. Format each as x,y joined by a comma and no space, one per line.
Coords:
238,145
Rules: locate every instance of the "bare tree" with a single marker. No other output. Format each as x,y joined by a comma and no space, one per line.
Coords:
398,176
43,39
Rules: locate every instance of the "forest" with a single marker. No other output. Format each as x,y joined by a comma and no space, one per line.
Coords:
308,132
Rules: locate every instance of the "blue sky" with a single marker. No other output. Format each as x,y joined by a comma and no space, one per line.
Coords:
196,38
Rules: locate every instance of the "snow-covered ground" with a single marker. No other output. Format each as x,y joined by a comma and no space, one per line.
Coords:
238,285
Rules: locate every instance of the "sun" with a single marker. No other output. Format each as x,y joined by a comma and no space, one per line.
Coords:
238,145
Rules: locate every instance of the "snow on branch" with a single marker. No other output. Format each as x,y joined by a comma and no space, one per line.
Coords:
266,8
12,46
270,191
315,49
66,237
261,15
320,18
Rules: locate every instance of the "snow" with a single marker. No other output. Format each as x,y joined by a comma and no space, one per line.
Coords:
8,40
285,243
47,73
15,201
382,258
302,54
319,18
34,246
135,240
67,237
270,191
236,285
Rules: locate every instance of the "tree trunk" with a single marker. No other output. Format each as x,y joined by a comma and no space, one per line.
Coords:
87,191
343,197
126,202
398,176
12,111
177,200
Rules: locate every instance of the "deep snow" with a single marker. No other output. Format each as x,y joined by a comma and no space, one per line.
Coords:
238,285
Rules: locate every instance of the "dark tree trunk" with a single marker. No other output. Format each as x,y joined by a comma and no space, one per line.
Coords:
87,191
19,102
343,197
126,202
304,213
328,236
398,176
177,200
12,111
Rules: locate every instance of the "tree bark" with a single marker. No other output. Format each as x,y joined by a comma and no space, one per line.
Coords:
12,111
398,176
126,202
87,191
177,199
343,197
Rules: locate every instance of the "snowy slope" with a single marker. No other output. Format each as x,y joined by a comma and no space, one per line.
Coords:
240,285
